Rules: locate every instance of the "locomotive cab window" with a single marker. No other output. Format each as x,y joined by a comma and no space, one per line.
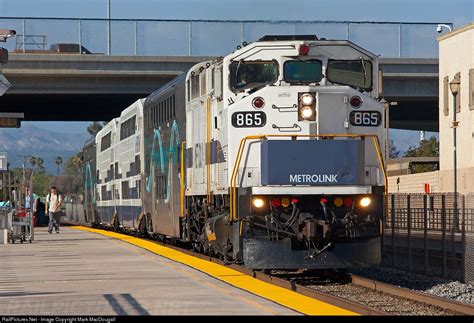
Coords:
252,74
303,71
356,73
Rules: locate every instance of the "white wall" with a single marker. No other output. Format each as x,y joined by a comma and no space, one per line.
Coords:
456,55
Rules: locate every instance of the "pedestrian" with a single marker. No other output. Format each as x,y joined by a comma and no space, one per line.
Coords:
53,206
32,197
30,207
42,216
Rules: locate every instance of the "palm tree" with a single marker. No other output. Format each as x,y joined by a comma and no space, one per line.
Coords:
33,161
40,162
58,161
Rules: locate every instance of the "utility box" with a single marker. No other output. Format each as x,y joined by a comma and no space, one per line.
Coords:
3,236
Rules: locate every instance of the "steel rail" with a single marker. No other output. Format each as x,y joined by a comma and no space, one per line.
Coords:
406,293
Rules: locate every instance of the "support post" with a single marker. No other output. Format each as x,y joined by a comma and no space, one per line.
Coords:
392,219
443,232
425,231
409,232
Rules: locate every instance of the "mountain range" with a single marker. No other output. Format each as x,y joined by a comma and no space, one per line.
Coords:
65,139
30,140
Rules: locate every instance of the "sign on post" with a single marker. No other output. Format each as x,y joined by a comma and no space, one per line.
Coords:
4,84
3,161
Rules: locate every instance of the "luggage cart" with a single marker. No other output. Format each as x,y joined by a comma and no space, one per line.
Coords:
22,226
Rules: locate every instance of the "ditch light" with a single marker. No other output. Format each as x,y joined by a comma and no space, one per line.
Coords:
11,120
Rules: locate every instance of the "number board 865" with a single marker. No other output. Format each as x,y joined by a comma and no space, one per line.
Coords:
249,119
365,118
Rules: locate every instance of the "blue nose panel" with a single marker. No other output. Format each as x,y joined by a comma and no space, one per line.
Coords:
312,162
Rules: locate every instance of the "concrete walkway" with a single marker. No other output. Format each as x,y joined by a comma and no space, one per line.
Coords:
82,273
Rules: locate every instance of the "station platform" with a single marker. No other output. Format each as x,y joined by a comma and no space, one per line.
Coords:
77,272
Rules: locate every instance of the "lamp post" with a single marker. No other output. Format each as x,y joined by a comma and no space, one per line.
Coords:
455,85
386,106
440,27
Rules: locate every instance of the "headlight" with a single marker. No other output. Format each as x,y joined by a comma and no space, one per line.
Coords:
258,202
307,106
365,201
306,112
307,99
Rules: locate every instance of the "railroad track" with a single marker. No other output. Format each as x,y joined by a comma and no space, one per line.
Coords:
405,293
354,293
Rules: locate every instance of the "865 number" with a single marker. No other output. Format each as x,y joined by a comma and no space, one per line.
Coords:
365,118
250,119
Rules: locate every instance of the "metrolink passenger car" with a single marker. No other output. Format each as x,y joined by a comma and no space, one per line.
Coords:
269,156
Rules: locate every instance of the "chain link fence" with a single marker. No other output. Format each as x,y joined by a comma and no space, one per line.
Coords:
213,37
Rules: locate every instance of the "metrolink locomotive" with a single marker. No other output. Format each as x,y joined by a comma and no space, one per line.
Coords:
269,156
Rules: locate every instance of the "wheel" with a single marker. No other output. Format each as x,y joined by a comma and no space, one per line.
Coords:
30,240
21,240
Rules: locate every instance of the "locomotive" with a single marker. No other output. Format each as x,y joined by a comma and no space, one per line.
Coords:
269,156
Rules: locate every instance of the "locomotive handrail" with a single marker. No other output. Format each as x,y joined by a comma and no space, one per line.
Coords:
183,183
233,180
208,149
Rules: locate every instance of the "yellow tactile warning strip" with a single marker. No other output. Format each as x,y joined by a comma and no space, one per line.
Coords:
300,303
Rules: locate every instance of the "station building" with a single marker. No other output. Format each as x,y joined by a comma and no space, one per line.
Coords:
456,61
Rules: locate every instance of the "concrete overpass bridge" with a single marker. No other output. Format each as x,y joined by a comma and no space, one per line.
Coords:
53,87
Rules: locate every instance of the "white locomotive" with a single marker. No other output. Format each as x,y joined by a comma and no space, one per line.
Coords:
268,156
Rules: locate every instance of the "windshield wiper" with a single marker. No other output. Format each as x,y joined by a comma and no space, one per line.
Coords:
237,69
365,71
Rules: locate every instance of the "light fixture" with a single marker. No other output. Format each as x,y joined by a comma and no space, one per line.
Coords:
307,99
355,101
258,103
306,107
455,85
338,201
285,202
303,50
306,112
258,202
440,27
365,201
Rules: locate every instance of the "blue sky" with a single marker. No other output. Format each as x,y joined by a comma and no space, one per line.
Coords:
458,12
